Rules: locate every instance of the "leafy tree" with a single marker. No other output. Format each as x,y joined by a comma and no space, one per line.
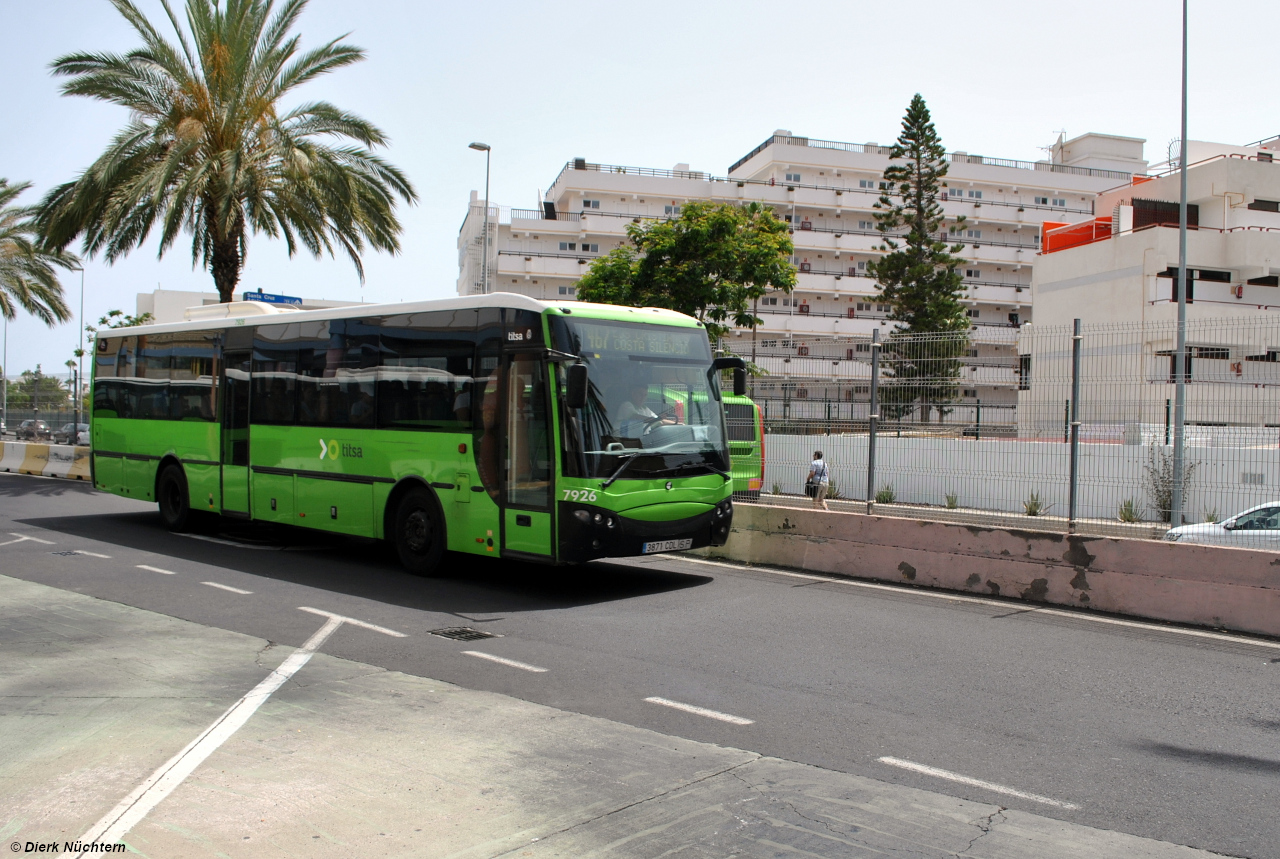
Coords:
36,390
712,262
917,277
28,276
210,149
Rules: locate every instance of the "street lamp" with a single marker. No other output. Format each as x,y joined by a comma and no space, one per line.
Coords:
484,255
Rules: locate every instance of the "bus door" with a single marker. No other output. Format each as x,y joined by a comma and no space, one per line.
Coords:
235,433
527,468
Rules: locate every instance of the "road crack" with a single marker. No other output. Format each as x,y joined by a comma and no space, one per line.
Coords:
985,825
630,805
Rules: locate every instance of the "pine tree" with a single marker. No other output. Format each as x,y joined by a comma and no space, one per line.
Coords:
917,277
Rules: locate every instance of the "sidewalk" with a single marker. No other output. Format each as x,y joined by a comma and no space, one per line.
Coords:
351,760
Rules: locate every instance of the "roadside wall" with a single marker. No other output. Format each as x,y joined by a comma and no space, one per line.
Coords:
1000,474
48,460
1237,589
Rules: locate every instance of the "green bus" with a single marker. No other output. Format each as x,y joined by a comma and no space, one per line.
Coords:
744,423
493,425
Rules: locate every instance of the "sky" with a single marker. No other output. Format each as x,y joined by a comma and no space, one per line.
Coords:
648,85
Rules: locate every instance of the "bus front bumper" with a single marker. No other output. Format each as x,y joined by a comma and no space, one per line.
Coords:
585,533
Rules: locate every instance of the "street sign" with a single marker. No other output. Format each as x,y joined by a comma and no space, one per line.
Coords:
268,298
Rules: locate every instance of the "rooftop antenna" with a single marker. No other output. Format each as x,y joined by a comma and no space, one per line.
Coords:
1048,150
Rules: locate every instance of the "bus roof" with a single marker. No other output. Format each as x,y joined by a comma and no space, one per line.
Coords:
495,299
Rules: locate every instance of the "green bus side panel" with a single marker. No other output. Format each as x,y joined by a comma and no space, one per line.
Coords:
534,538
472,516
108,473
334,505
204,484
273,488
235,488
667,512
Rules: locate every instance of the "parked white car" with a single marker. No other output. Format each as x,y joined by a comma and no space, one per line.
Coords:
1256,528
82,437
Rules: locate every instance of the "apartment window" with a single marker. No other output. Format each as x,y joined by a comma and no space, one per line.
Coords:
1014,319
974,273
671,211
975,195
768,344
1060,202
867,183
786,302
568,290
882,308
769,299
1042,201
973,234
862,347
864,306
590,204
862,265
1024,372
1265,206
971,393
568,246
793,177
591,248
973,313
866,225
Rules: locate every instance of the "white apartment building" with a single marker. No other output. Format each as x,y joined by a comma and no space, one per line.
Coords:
1120,268
814,342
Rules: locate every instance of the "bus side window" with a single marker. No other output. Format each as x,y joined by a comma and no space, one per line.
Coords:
488,391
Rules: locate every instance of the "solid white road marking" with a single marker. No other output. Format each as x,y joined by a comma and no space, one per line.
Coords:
157,570
223,542
974,782
227,588
946,595
353,621
92,554
701,711
524,666
22,537
133,808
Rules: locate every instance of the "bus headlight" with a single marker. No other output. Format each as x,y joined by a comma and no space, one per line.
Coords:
582,516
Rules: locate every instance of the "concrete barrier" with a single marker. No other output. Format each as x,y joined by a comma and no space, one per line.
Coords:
1237,589
47,460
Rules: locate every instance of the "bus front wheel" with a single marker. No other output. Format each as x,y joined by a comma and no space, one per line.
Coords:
419,532
171,493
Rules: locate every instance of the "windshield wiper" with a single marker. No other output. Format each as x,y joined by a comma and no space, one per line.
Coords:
621,468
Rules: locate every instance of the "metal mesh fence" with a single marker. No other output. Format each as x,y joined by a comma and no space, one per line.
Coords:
954,427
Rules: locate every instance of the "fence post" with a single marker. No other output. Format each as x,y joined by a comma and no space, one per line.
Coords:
1074,477
1168,407
1066,421
977,433
873,419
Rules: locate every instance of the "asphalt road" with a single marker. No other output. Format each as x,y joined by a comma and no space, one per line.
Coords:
1148,731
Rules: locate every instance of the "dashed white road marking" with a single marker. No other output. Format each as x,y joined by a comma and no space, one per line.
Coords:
225,542
24,537
975,782
133,808
1028,608
227,588
92,554
353,621
701,711
156,570
523,666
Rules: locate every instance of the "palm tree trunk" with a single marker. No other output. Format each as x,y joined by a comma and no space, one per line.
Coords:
226,266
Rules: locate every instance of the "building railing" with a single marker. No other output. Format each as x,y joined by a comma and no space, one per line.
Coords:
571,166
955,157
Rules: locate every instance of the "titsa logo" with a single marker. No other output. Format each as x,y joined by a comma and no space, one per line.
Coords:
333,450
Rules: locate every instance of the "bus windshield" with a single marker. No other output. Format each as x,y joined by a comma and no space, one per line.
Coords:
652,410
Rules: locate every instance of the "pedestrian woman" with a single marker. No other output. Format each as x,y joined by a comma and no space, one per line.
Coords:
820,477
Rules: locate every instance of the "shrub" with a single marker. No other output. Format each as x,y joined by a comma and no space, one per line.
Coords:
885,494
1158,478
833,492
777,490
953,501
1035,506
1211,515
1129,511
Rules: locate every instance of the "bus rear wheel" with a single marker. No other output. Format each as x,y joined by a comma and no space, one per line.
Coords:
419,534
175,502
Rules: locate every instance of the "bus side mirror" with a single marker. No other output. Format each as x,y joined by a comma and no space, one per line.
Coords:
575,394
739,368
739,382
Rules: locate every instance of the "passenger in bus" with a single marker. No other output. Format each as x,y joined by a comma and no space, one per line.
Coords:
362,408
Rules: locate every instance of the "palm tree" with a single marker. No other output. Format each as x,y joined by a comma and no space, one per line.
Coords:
27,275
210,149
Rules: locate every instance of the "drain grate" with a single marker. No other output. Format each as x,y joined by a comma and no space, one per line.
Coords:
64,554
463,633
